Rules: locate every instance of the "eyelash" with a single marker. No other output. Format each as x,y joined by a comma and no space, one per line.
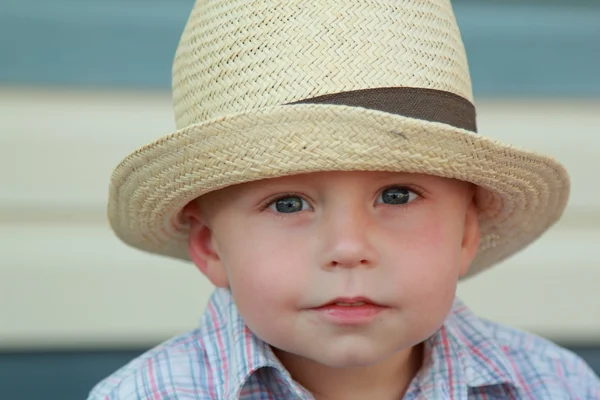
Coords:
267,203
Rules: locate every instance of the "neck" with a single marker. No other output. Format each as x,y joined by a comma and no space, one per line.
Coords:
387,379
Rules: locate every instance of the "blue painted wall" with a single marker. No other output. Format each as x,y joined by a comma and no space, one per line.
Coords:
549,48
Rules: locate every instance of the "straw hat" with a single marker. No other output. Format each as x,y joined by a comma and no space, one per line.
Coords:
267,88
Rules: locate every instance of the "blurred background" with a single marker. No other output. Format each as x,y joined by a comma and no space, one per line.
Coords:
84,82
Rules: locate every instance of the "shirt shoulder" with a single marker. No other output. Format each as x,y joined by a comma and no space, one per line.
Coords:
175,369
542,367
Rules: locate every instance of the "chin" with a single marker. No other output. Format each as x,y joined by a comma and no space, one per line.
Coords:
351,358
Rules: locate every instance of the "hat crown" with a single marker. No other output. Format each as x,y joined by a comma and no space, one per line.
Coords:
240,55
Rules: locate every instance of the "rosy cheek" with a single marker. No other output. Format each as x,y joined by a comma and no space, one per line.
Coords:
428,260
266,272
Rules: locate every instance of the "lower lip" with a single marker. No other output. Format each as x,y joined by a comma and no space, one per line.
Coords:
350,314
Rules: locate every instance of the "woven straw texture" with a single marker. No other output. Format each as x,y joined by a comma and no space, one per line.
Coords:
240,63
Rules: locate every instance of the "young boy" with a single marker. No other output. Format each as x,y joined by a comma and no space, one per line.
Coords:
327,177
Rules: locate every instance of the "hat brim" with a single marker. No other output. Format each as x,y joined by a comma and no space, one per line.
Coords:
520,194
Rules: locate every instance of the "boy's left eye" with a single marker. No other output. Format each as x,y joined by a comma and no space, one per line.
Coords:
396,195
289,204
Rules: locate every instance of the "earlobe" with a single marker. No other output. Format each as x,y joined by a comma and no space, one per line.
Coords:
201,248
471,239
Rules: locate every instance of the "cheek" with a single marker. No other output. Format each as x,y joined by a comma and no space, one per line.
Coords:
437,240
429,263
424,278
265,271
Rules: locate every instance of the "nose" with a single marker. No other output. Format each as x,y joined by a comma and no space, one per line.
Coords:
345,234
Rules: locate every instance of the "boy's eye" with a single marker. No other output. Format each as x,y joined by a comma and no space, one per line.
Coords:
396,195
289,204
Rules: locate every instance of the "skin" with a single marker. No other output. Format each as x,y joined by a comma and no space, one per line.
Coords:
346,240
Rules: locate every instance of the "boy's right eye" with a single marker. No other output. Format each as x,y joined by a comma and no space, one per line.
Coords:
289,204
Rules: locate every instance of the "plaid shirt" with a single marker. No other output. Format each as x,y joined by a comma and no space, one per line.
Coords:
468,358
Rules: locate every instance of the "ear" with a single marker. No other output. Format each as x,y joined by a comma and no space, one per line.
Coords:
201,247
471,238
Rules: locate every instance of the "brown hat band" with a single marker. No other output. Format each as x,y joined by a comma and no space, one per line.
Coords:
426,104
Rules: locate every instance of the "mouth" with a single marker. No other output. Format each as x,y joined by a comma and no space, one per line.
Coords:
352,311
350,302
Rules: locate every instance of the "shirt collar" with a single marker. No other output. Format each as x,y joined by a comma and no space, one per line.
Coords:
465,351
462,352
237,350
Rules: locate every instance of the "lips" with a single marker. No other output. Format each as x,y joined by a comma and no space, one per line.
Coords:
358,303
350,311
350,302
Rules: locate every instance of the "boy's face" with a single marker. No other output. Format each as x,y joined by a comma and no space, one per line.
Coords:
288,246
